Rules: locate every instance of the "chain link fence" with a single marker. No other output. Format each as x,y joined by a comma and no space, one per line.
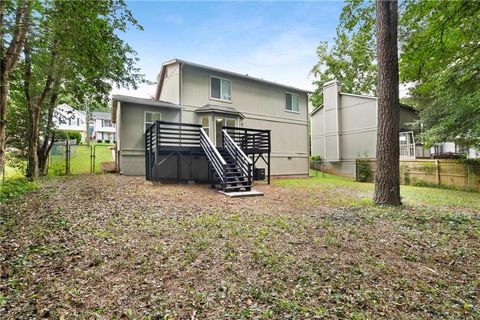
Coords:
70,158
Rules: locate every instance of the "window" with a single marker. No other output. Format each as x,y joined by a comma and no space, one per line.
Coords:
78,122
107,123
206,125
220,89
150,118
291,102
69,121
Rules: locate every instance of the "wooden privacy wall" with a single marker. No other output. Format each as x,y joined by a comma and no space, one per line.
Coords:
456,174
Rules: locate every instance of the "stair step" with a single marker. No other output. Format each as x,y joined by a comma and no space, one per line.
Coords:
237,187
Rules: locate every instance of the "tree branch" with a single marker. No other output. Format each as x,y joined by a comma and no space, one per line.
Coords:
22,20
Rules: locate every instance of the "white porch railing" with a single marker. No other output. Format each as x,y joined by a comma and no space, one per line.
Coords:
407,145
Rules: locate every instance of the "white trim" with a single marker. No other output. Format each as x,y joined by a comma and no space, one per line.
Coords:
220,99
292,111
145,118
358,95
298,102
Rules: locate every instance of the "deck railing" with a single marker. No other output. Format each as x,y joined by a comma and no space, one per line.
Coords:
252,141
240,158
174,134
216,161
150,149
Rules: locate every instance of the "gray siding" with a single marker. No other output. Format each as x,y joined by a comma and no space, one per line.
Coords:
345,128
132,135
263,106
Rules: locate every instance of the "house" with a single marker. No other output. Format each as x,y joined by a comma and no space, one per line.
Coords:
70,119
452,149
345,128
103,128
193,106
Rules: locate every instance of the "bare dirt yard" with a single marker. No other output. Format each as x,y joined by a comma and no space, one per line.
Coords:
107,246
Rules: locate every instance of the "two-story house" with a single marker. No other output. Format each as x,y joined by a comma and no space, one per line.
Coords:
344,128
103,128
211,99
100,126
69,119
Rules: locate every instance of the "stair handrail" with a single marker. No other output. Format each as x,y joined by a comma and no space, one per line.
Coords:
216,160
245,163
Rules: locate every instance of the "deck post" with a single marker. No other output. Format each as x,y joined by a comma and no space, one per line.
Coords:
178,167
269,151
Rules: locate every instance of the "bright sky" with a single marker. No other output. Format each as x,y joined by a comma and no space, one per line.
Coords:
272,40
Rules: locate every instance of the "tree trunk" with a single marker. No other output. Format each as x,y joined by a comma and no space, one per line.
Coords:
43,154
387,179
35,106
49,136
33,135
9,57
3,115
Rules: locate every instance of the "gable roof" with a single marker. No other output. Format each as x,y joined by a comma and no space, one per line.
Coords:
161,76
143,101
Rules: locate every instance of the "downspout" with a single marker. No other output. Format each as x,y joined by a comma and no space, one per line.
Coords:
180,90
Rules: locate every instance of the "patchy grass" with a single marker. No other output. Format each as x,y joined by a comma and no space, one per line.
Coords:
347,191
80,160
15,186
117,247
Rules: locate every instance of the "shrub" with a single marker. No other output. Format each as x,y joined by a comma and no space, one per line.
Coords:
316,163
61,135
363,169
99,141
107,141
17,161
68,135
14,187
75,135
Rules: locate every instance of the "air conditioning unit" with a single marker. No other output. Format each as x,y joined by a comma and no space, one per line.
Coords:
259,174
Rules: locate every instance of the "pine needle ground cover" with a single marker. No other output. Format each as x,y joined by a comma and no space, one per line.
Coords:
107,246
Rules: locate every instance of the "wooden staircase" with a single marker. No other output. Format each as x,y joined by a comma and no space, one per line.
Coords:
230,168
236,180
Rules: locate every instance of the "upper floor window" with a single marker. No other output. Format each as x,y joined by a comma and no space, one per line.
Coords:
78,122
150,118
220,89
106,123
291,102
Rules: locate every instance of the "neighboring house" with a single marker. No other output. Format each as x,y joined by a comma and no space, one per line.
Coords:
209,99
103,128
67,118
452,149
345,128
100,128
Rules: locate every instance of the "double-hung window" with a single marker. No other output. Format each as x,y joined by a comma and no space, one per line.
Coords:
106,123
220,89
150,118
206,124
291,101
